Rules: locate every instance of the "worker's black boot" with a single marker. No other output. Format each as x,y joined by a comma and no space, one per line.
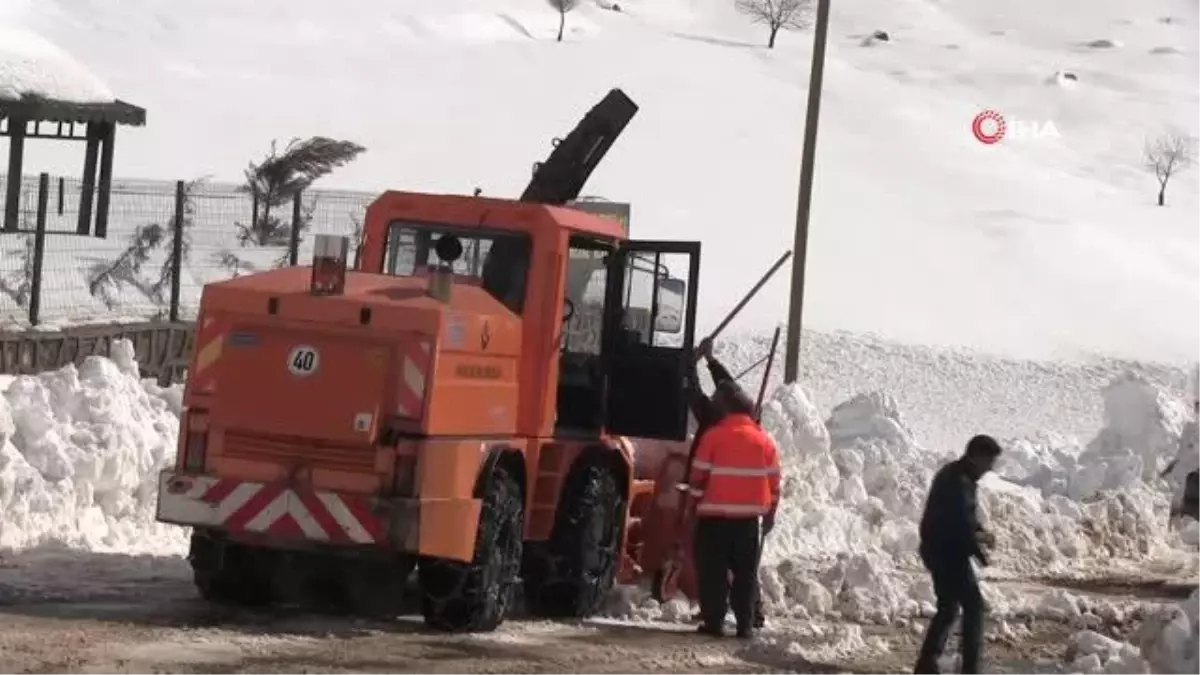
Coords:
714,631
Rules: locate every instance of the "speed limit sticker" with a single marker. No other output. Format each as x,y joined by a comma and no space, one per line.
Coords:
303,360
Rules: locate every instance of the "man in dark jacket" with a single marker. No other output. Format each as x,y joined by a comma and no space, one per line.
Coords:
708,411
950,537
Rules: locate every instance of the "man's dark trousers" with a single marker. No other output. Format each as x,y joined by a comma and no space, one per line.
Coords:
955,585
724,546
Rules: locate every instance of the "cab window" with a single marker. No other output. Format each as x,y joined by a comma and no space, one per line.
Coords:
580,376
646,272
497,261
653,294
584,303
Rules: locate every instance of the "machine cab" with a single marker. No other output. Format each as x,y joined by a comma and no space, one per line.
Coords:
608,321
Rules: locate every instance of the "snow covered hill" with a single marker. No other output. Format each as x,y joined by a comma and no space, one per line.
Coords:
1032,247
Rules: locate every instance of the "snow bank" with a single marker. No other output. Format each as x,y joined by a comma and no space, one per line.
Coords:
1166,642
79,452
80,447
847,530
846,535
1168,639
1091,652
30,65
1188,455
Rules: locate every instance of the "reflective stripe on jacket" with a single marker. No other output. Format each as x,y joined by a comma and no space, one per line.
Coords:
736,470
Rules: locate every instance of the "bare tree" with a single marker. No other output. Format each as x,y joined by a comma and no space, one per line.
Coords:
777,15
564,7
1167,155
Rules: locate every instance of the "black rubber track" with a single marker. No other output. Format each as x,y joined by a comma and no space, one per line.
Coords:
475,597
574,571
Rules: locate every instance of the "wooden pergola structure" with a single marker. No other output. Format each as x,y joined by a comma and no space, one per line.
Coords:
34,117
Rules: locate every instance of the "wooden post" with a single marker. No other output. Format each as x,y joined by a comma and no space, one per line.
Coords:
294,243
87,190
39,250
177,249
791,362
107,136
61,189
16,161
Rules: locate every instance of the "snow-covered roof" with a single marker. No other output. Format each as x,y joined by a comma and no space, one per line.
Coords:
31,65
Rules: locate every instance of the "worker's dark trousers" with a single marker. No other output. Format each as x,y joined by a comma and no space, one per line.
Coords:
955,585
725,546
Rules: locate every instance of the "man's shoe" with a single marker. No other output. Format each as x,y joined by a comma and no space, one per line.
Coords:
745,633
714,631
760,621
923,668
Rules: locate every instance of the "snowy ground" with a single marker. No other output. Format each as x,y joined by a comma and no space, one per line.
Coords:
81,446
142,616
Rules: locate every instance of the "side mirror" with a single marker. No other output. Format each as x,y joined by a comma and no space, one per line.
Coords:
672,294
448,248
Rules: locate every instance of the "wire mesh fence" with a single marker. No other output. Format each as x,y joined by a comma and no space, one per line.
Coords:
131,274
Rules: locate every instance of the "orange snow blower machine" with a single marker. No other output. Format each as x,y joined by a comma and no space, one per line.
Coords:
494,396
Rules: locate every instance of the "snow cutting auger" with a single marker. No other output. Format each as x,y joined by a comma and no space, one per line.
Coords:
488,398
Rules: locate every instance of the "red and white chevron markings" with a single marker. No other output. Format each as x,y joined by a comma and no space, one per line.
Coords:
269,509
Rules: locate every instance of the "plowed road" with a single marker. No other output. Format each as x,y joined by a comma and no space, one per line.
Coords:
72,612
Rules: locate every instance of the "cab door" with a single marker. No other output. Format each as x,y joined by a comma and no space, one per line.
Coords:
648,337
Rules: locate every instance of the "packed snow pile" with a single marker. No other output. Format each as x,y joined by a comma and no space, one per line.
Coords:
1187,459
1166,642
30,65
1168,639
1140,423
845,541
1142,429
80,449
1091,652
846,536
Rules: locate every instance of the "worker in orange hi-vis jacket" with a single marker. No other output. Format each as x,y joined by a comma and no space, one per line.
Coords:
735,481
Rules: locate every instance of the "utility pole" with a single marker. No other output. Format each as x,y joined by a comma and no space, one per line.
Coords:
791,363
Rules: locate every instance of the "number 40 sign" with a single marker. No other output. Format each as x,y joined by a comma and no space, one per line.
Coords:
303,360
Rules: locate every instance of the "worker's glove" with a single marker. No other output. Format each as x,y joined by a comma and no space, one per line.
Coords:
768,523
